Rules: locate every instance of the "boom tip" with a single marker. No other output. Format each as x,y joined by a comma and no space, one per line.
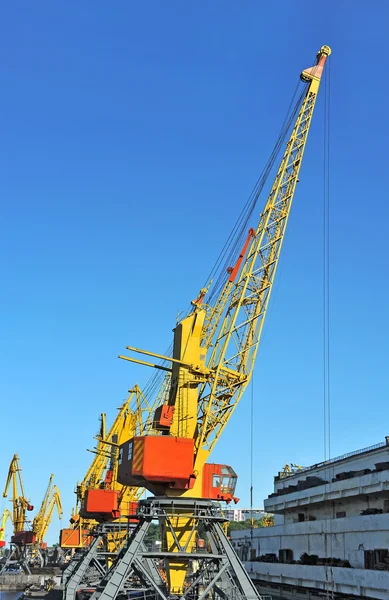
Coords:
324,50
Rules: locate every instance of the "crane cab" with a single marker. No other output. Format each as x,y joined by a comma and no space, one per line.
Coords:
219,482
75,538
23,538
160,463
100,504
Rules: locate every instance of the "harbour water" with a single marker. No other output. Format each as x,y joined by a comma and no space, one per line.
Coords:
10,595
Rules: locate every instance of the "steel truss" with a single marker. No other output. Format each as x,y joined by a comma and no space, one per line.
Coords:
19,555
215,571
89,565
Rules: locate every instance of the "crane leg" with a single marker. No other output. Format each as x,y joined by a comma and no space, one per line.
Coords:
216,571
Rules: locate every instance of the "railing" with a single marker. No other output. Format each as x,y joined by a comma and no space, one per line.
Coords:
333,460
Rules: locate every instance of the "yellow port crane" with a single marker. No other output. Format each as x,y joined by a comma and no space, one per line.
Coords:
42,520
20,504
214,353
6,515
100,496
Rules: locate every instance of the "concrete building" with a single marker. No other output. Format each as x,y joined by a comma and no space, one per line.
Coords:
241,514
331,530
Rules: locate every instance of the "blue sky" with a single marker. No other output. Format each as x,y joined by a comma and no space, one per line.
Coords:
132,134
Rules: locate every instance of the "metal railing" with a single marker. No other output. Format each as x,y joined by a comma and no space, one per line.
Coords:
336,459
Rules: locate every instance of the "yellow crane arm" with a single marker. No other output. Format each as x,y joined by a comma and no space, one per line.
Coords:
237,335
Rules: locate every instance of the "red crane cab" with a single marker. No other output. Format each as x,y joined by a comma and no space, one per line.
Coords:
23,538
74,538
163,461
2,543
219,483
100,504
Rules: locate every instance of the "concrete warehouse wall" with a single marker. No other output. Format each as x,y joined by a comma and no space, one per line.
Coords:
356,582
346,538
375,484
352,508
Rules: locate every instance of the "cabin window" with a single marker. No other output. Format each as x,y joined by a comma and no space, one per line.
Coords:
216,482
301,517
130,446
120,460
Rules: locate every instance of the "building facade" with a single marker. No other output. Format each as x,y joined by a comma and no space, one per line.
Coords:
242,514
331,529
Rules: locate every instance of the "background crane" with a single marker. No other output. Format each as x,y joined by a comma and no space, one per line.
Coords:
54,502
215,346
20,504
42,520
100,496
38,521
6,515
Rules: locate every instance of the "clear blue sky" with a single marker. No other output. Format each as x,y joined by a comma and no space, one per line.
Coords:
131,135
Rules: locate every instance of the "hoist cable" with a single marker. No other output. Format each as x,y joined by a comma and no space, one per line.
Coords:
326,324
252,466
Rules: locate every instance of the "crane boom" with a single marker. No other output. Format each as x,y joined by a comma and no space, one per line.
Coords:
236,340
40,516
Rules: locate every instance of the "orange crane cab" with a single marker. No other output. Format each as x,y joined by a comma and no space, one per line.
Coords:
23,538
156,461
74,538
100,505
219,483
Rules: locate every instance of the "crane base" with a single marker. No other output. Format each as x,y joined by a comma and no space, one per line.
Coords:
216,571
19,556
90,564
